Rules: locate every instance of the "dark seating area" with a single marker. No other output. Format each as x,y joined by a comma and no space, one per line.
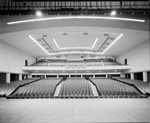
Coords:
72,88
112,63
144,87
111,88
7,88
40,89
76,88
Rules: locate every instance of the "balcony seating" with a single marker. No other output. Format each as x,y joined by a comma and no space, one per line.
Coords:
8,88
56,64
112,63
75,63
144,87
39,89
76,88
94,63
112,88
40,64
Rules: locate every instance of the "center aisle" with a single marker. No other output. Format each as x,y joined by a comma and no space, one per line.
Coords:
94,90
58,90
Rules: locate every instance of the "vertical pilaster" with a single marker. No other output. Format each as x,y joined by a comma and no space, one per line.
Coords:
81,75
20,77
93,75
7,77
122,75
106,75
132,75
69,75
29,76
145,76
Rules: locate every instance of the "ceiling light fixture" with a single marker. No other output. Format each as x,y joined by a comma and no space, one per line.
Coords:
39,13
75,17
113,13
75,47
38,44
112,43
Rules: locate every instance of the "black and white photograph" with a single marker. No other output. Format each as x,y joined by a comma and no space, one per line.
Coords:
74,61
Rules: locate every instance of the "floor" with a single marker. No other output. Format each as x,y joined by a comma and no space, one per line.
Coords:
74,110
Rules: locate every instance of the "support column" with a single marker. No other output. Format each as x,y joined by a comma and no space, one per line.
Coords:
7,77
69,75
24,77
122,75
29,76
93,75
106,75
132,75
45,76
57,75
145,76
20,77
81,75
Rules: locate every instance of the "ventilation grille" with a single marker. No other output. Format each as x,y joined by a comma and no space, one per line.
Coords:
112,39
106,35
65,33
39,40
85,33
44,35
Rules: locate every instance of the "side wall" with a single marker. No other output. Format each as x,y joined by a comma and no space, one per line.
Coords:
12,59
138,57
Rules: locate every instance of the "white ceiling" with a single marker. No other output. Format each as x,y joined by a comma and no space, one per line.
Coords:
17,35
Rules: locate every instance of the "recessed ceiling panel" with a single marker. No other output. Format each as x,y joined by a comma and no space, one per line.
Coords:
77,41
74,42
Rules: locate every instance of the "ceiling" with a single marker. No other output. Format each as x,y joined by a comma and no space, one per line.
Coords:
73,35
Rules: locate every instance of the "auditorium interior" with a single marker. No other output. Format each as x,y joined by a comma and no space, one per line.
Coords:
74,61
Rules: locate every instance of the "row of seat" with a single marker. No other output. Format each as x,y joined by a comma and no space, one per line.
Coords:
144,87
77,97
50,64
111,63
76,87
112,88
8,88
41,88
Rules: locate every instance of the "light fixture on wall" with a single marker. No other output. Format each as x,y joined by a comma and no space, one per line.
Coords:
38,13
113,13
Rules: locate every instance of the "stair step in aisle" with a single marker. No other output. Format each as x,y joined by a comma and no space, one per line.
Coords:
95,93
57,90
